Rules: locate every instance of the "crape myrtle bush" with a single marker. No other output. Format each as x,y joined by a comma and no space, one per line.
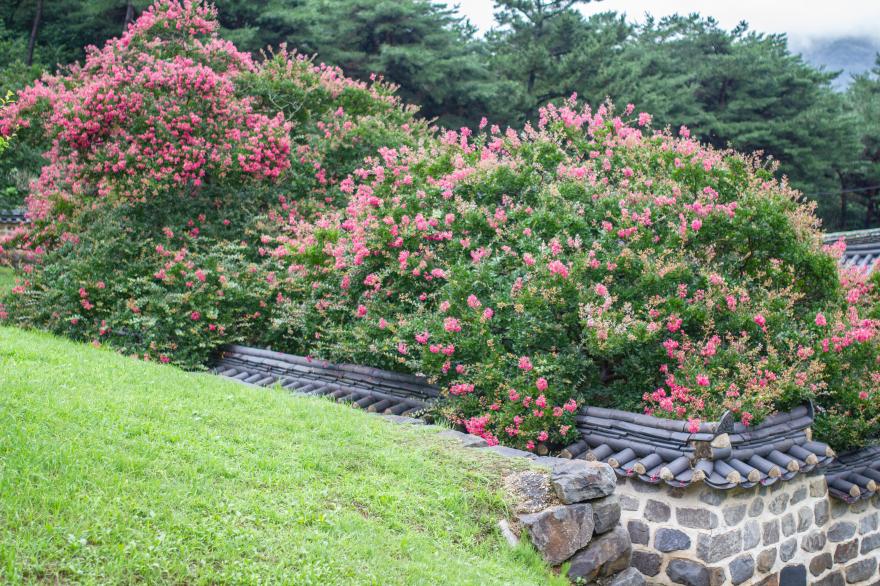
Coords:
588,260
193,196
164,151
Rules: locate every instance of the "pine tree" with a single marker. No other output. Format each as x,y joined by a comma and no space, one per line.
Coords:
860,193
551,51
422,46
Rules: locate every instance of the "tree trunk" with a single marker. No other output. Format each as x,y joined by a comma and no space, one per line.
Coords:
129,15
843,210
35,29
871,210
537,19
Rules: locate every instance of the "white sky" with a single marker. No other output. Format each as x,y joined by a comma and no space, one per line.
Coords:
801,19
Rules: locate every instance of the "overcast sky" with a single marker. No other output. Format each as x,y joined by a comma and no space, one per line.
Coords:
801,19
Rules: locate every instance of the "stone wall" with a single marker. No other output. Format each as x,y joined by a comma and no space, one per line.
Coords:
567,509
10,221
790,533
571,515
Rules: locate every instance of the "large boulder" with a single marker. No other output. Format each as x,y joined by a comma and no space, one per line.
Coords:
606,555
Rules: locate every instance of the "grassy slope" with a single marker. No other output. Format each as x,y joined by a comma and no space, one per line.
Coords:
113,470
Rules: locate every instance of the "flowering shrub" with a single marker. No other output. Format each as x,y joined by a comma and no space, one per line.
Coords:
193,197
166,151
338,121
592,260
173,295
153,111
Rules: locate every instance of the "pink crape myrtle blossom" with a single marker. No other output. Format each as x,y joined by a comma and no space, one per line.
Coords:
177,172
140,117
612,280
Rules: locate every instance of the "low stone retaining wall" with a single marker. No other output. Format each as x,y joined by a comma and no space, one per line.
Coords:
733,504
790,533
571,515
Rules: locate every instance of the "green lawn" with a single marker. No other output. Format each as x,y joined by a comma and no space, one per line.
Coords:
118,471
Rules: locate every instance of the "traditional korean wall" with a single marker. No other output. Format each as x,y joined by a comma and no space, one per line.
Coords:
10,220
790,533
8,227
9,223
608,530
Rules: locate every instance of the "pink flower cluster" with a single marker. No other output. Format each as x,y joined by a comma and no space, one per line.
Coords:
142,116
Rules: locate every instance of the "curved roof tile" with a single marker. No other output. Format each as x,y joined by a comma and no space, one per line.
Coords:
13,217
721,454
862,247
364,387
855,475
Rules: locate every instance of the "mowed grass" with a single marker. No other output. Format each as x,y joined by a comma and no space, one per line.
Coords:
119,471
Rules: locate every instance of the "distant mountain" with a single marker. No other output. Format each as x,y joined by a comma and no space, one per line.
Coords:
852,55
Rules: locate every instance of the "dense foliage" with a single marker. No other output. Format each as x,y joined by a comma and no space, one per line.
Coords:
732,88
586,259
166,146
863,176
744,90
421,45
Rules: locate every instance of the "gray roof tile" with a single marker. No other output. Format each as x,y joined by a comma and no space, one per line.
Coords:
862,247
13,217
855,475
371,388
721,454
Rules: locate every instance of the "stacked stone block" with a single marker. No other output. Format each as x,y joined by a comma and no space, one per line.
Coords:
567,509
579,522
